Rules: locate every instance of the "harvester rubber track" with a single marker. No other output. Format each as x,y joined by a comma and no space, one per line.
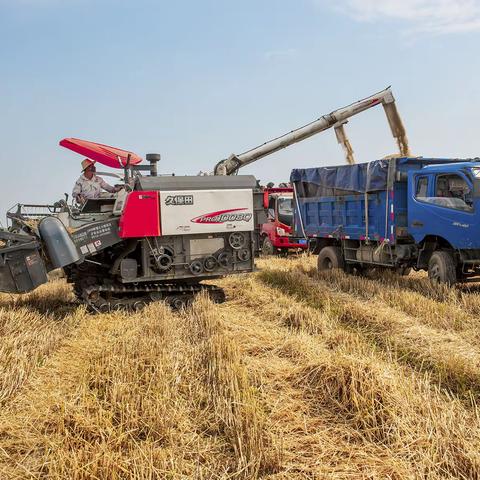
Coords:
106,298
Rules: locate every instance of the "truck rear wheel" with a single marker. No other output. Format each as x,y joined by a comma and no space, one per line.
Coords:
330,258
441,268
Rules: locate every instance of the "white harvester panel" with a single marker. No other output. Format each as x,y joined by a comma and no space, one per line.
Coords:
206,211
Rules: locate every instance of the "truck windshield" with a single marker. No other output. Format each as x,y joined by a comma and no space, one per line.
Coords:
452,191
285,210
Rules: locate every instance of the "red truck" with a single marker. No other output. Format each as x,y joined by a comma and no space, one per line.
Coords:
276,232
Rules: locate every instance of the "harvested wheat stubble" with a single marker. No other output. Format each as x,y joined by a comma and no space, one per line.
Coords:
316,444
229,397
152,395
292,378
436,305
32,327
414,427
452,362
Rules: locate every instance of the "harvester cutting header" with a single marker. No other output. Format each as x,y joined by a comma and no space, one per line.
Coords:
154,237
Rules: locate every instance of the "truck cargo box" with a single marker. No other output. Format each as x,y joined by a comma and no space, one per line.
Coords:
336,202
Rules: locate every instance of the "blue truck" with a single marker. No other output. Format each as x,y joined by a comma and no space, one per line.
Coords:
398,213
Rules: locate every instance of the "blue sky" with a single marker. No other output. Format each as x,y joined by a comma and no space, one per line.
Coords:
198,80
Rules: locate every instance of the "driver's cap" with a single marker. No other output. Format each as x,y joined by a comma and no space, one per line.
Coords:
86,163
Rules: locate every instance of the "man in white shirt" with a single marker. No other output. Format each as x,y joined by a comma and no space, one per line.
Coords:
90,185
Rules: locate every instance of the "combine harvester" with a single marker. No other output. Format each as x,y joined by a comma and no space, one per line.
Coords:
155,240
161,236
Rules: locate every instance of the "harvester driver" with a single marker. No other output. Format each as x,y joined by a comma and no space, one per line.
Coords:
89,185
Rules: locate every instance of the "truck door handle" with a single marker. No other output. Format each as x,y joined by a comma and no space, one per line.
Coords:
416,223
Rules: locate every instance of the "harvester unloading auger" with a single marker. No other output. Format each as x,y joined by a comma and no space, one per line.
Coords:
161,236
336,119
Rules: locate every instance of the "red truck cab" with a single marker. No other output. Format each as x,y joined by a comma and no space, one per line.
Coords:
276,232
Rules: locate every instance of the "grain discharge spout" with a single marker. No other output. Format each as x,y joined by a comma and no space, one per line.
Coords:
336,119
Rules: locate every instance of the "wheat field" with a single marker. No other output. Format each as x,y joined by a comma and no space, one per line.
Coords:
299,375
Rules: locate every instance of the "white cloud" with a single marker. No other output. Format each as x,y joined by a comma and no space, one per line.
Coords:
428,16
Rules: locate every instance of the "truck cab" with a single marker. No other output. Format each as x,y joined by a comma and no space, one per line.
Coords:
444,219
442,201
276,233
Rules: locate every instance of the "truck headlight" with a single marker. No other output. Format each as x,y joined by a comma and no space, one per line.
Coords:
281,232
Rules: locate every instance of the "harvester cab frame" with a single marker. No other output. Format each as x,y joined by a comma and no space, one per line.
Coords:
114,202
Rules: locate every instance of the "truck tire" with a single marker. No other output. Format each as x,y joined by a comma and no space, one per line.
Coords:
267,247
441,268
330,258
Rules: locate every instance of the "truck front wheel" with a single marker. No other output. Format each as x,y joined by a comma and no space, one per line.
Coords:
330,258
441,268
267,247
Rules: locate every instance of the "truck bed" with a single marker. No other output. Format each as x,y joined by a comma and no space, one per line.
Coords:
330,201
344,216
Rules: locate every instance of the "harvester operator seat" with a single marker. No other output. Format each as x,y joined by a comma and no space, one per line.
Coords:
98,205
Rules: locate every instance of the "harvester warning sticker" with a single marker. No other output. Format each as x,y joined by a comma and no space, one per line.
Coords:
31,260
93,238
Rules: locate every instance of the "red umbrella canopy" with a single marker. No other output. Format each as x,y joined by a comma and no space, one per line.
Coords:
104,154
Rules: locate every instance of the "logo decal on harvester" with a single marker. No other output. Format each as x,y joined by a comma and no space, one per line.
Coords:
222,216
179,200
